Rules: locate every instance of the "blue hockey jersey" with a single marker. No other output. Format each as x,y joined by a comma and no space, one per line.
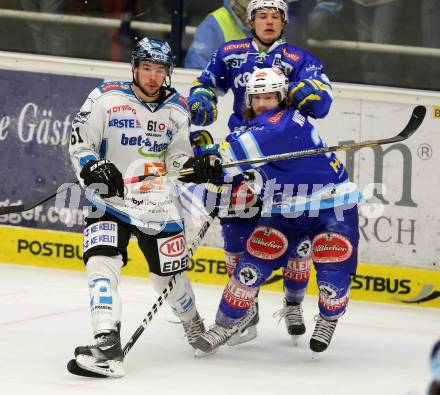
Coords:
309,183
232,64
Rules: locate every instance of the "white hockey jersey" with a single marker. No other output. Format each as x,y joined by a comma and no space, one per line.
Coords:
139,138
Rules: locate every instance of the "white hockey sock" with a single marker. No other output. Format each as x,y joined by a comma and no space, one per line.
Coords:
105,302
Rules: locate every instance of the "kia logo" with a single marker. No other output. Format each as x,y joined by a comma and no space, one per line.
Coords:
173,246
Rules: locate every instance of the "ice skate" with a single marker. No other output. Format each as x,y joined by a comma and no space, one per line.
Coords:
104,357
293,317
209,341
247,327
322,335
194,328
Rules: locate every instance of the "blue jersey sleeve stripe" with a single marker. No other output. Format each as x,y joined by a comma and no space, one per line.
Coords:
85,159
103,148
233,171
251,148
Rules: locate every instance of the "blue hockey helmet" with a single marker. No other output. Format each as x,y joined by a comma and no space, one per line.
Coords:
152,50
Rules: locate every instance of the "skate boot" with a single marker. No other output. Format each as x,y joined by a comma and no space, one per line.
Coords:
293,317
247,327
322,335
104,357
193,329
209,341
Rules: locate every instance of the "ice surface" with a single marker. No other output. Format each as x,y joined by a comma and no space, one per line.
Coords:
376,349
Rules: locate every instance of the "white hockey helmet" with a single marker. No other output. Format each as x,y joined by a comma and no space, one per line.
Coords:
255,5
265,81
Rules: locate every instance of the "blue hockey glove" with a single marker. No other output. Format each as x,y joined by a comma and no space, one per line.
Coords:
200,137
103,172
203,106
305,94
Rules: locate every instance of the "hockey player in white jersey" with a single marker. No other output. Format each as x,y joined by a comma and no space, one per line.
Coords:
122,130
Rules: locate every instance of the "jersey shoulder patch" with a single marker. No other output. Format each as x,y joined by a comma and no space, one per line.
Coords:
120,86
236,46
180,101
292,54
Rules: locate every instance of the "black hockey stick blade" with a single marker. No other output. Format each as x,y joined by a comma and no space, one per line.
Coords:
12,209
77,370
415,121
19,208
417,117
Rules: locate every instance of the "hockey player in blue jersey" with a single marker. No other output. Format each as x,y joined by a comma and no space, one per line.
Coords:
309,91
311,197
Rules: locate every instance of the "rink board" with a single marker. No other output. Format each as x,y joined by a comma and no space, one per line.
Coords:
373,282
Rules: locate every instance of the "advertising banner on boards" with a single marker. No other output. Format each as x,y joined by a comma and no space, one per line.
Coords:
36,111
398,221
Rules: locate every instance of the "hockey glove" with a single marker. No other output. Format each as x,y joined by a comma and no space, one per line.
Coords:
206,168
305,96
103,172
200,137
203,106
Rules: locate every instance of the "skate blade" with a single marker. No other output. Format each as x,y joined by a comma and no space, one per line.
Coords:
106,368
75,369
202,354
243,337
295,339
315,355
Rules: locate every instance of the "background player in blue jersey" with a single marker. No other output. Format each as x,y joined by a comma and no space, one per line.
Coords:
311,196
309,91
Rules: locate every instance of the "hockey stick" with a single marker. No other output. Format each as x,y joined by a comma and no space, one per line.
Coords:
18,208
72,365
414,122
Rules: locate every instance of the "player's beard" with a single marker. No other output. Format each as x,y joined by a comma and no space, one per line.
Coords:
141,88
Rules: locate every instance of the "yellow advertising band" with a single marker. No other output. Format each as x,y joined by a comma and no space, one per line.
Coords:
373,282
